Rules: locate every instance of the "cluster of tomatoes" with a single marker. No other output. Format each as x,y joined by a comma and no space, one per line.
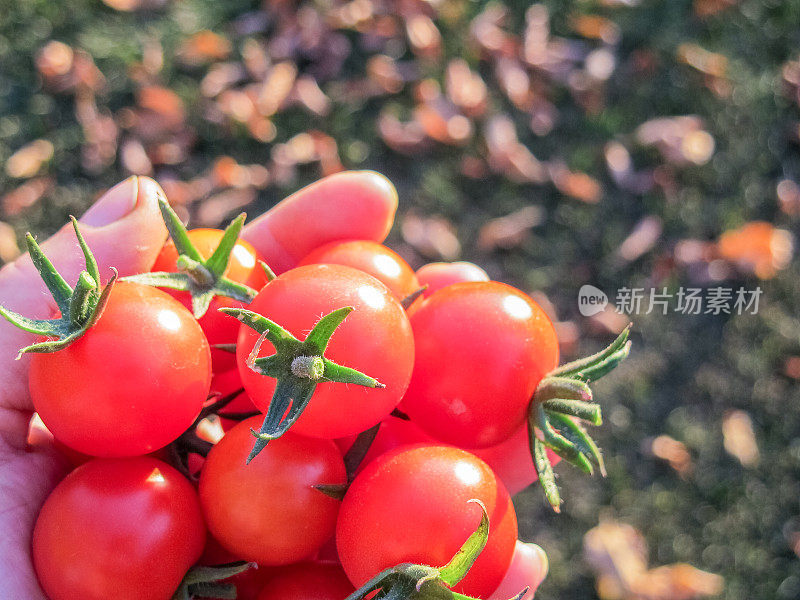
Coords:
346,424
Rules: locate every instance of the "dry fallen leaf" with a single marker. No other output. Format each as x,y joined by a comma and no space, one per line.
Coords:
511,230
9,250
29,193
642,239
618,555
739,439
674,452
433,237
28,160
757,247
203,47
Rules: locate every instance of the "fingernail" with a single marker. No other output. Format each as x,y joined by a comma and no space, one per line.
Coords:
115,203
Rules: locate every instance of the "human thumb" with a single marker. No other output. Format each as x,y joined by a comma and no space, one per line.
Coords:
124,230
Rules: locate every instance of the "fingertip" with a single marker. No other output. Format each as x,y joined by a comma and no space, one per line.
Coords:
539,552
113,205
383,188
345,206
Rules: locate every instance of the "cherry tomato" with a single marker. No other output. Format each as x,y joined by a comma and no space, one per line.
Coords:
145,362
412,505
375,339
242,268
308,581
118,528
528,568
371,257
511,461
481,350
438,275
268,511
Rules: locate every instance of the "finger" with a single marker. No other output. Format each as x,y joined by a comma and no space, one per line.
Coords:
528,569
350,205
124,229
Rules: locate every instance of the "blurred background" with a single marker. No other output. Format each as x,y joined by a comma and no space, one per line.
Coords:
615,143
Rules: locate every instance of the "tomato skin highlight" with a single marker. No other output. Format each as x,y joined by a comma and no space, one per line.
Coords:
118,528
481,350
412,505
381,262
268,511
308,581
375,339
440,274
242,268
145,362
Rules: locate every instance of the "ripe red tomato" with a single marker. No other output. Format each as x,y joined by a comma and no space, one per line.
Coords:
242,268
144,363
439,274
375,339
528,568
268,511
481,350
371,257
412,505
118,528
308,581
512,462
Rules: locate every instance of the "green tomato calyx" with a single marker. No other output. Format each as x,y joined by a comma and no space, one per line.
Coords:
203,278
207,582
80,307
563,399
298,367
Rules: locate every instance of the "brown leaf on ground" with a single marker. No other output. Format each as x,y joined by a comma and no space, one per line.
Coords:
213,211
9,250
618,555
29,160
739,439
707,8
423,36
29,193
433,237
681,140
204,47
132,5
642,239
276,88
507,155
791,367
465,88
164,104
757,247
511,230
674,452
406,138
580,186
789,197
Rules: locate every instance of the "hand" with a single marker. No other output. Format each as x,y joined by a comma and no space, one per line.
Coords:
124,230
